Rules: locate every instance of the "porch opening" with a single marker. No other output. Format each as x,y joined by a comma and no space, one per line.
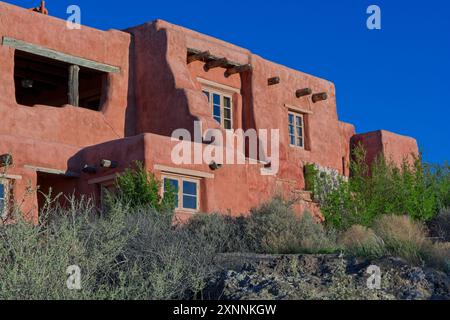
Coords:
44,81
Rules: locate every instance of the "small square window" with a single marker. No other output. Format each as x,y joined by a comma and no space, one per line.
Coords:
186,191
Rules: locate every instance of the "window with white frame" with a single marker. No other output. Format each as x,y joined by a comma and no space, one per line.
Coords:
221,106
296,125
4,198
186,192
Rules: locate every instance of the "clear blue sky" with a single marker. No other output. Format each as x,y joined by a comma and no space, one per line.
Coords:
396,79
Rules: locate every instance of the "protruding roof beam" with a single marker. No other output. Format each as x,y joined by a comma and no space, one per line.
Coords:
238,69
218,63
319,97
303,92
273,81
198,56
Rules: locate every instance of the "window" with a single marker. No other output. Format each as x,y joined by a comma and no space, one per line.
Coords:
44,81
221,106
187,191
296,129
4,199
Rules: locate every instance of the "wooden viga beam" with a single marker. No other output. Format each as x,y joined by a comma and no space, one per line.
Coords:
319,97
217,63
303,92
238,69
200,56
273,81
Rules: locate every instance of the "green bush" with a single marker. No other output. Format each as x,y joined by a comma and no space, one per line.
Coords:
440,225
382,189
137,187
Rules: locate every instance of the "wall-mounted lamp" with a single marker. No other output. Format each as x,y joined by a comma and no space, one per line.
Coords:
89,169
27,83
215,166
110,164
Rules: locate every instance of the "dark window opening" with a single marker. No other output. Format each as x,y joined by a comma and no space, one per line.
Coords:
43,81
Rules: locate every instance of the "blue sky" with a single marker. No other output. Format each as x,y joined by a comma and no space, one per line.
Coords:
397,78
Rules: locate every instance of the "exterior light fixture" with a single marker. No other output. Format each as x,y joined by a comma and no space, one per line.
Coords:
89,169
6,160
215,166
110,164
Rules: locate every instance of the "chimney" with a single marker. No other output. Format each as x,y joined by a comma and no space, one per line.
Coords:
41,9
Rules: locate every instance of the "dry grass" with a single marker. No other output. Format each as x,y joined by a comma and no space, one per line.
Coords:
362,241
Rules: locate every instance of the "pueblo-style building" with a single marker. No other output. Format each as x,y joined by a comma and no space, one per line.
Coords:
79,106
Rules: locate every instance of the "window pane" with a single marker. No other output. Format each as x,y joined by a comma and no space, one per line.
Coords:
2,191
2,199
227,113
227,124
299,121
190,202
206,93
189,188
216,111
291,119
216,99
175,187
291,129
292,138
226,102
300,142
299,132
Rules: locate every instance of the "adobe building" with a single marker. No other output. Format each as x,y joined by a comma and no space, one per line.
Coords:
77,107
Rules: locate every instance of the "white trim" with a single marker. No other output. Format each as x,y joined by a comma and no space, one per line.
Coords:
183,172
298,109
104,179
218,86
180,179
52,171
10,176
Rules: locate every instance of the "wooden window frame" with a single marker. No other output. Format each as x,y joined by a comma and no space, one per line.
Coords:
296,115
223,94
180,194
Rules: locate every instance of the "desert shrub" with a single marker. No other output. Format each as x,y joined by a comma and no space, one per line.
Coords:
137,187
403,237
225,233
380,189
123,254
440,225
362,242
437,255
274,228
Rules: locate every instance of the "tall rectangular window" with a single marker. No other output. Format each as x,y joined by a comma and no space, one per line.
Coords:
221,107
186,191
296,127
3,198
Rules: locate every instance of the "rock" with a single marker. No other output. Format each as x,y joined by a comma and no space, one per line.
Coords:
296,277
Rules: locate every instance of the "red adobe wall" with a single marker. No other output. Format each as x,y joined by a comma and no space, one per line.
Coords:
47,136
395,148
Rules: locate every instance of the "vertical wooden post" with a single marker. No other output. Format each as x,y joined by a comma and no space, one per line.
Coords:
74,98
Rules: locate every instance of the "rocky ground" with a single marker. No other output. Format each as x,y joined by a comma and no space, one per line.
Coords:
322,277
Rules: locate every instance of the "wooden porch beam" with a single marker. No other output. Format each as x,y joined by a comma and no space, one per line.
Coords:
238,69
59,56
198,56
222,62
74,95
